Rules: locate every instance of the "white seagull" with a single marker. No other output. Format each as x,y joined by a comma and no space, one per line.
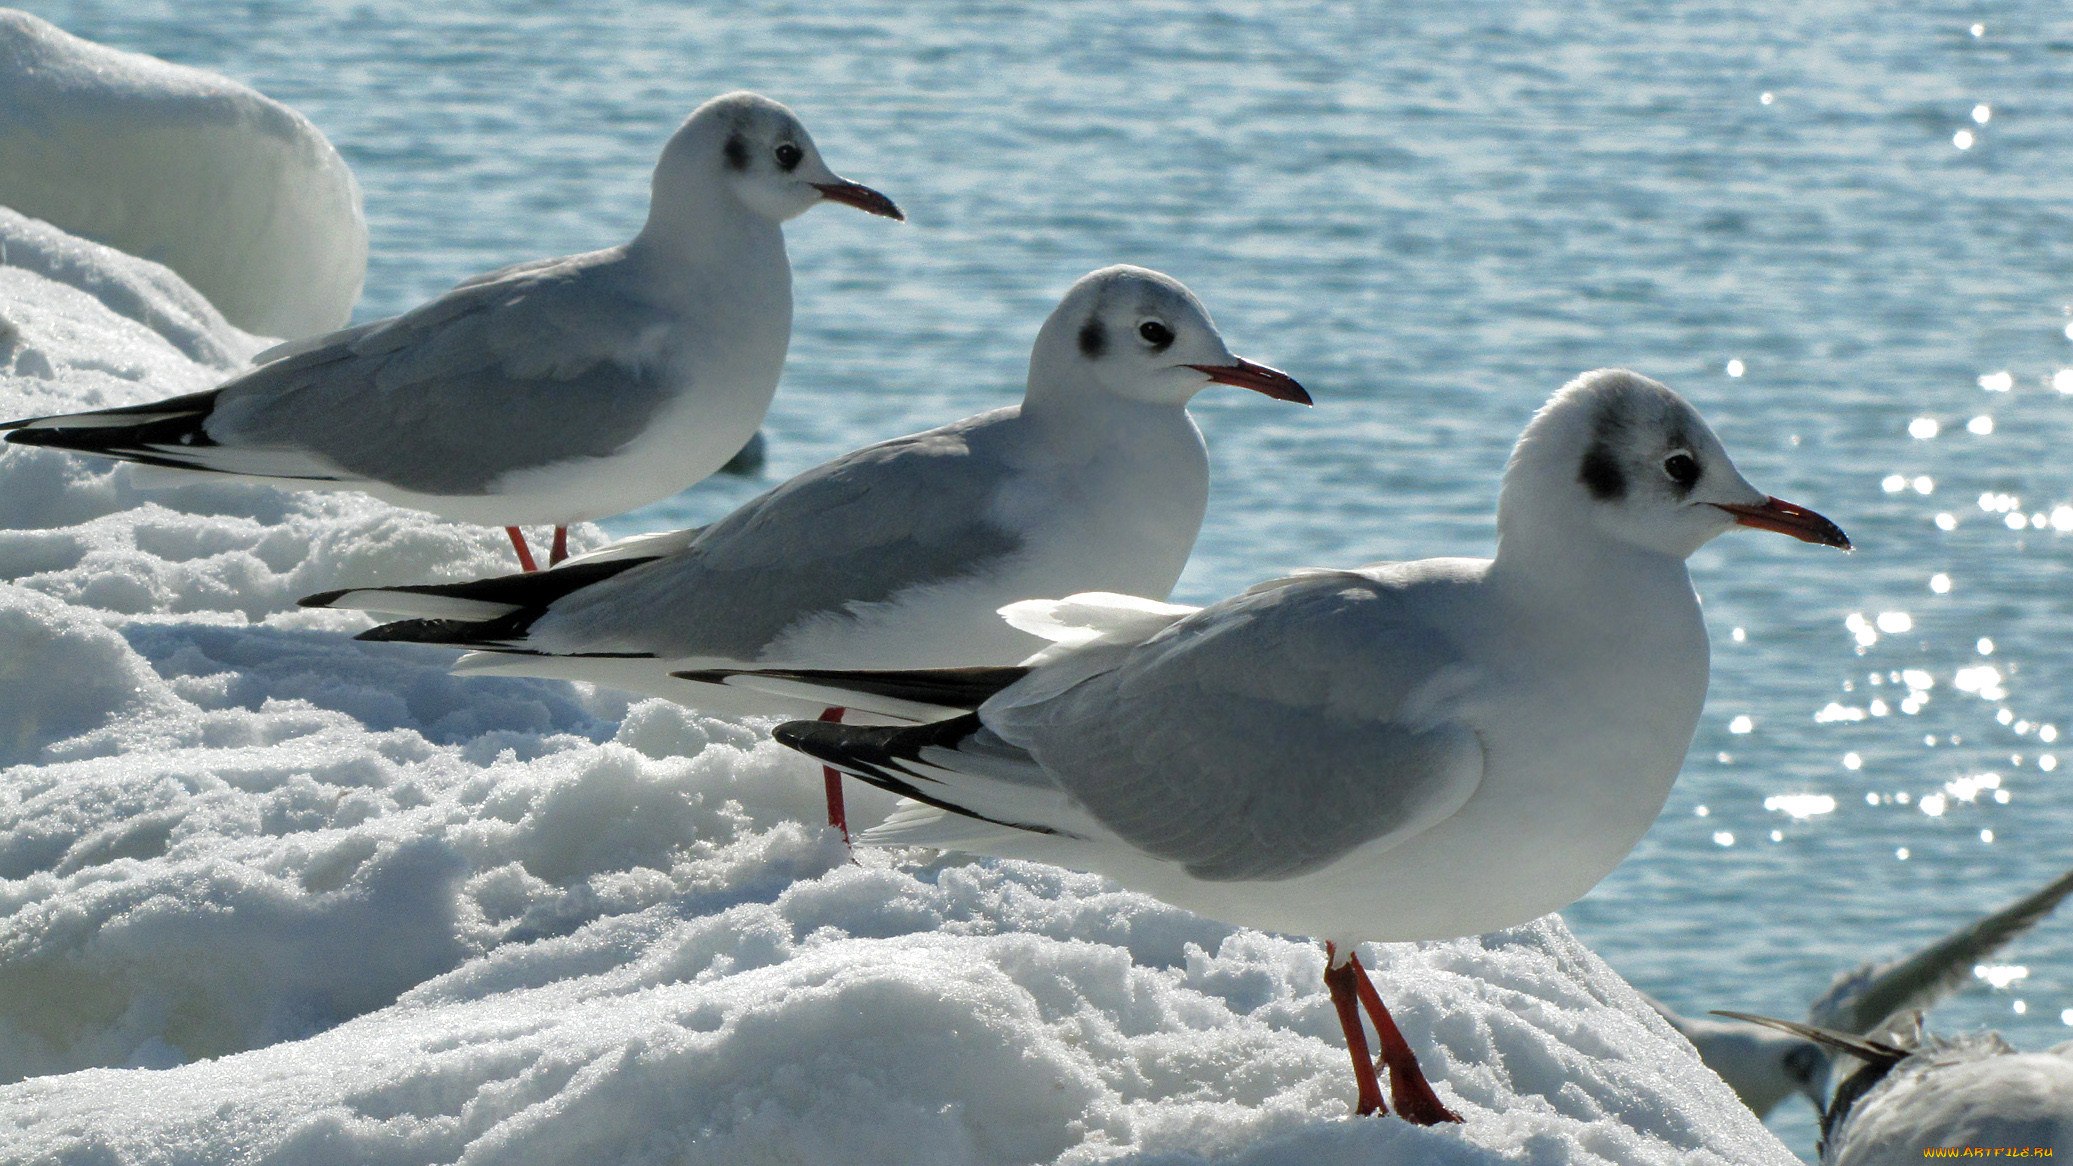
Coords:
1405,751
900,554
1764,1066
550,392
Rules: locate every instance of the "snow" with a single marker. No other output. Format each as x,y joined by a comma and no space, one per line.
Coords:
238,193
268,894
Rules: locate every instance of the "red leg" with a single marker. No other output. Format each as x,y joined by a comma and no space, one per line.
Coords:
1340,981
1415,1100
838,817
561,546
525,553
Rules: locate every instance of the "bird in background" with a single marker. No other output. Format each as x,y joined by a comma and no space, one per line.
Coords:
550,392
897,555
1904,1092
1404,751
1766,1065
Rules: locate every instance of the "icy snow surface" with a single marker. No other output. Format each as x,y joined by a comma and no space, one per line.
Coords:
235,191
271,895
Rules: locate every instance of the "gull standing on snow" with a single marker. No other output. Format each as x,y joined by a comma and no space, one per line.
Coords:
1764,1066
900,554
550,392
1406,751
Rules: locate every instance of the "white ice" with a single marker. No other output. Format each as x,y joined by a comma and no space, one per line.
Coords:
271,895
238,193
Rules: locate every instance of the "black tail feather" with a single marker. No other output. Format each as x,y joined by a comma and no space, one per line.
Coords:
965,688
878,756
527,591
162,427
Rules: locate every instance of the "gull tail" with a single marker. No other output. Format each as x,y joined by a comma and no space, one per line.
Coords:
475,602
914,694
981,793
170,434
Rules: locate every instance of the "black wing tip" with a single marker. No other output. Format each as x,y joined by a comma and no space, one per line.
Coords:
325,598
451,632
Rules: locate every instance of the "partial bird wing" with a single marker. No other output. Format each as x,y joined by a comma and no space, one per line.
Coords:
902,514
1864,999
1253,740
543,363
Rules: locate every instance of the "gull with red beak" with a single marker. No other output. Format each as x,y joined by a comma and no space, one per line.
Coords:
551,392
1406,751
897,555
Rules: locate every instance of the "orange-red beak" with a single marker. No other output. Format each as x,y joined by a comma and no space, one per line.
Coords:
1257,377
861,197
1787,518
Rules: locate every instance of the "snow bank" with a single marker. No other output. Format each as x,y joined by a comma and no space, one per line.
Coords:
235,191
271,895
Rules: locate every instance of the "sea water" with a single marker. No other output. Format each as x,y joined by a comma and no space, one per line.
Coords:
1844,231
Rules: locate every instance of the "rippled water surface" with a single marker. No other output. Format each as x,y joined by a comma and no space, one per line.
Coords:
1845,231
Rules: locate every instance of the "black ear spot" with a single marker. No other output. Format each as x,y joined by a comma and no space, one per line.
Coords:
737,152
1601,474
1093,338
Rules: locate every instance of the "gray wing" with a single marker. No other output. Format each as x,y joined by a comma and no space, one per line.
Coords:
1862,1000
1266,736
543,363
905,513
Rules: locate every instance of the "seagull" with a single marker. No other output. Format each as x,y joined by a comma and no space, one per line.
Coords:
897,555
1405,751
1912,1093
1766,1065
550,392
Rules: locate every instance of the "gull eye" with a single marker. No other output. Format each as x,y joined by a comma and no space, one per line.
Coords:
1155,334
788,156
1682,467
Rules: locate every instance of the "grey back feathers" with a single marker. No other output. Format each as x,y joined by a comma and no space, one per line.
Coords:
536,367
1174,790
740,586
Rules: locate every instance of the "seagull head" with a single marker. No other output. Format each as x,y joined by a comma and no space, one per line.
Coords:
1143,336
1634,461
758,151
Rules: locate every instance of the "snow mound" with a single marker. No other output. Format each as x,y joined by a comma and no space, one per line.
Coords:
235,191
270,894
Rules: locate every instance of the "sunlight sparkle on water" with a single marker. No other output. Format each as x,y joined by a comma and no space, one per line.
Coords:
1982,680
1982,113
2062,380
1940,583
1735,368
1723,838
2001,975
1741,724
1946,521
1852,761
1923,428
1997,382
1980,425
1962,139
1800,805
1895,622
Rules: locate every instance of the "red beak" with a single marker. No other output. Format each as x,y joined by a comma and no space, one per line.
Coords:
1786,518
861,197
1257,377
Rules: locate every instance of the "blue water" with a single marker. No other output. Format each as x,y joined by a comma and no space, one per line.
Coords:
1829,225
